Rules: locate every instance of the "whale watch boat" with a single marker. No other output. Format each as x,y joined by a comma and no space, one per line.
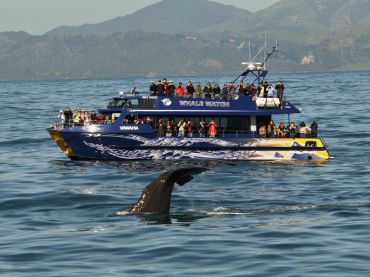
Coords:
239,133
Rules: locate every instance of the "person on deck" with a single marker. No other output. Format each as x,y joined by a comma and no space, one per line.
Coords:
107,120
231,92
180,91
160,128
100,118
280,91
270,91
189,129
216,90
202,129
241,89
208,90
93,117
224,92
61,117
160,88
292,130
314,129
170,91
281,130
168,129
271,129
153,88
198,91
262,130
68,117
190,89
303,130
181,127
212,129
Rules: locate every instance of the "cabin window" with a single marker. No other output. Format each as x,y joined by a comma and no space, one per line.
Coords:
311,144
132,103
226,125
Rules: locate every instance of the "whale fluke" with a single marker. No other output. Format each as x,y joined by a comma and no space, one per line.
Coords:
156,197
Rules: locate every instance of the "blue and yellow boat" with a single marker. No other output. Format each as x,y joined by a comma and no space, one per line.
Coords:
140,129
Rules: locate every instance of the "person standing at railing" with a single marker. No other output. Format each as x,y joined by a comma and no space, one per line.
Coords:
180,91
202,129
208,90
100,118
189,129
76,117
281,130
212,129
314,129
61,117
160,128
153,88
216,91
271,129
190,89
181,127
170,89
224,92
270,91
280,91
160,88
198,91
68,117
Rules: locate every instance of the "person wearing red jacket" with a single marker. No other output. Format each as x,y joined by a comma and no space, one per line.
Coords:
180,91
212,129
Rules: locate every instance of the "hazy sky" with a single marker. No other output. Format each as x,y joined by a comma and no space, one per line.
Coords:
40,16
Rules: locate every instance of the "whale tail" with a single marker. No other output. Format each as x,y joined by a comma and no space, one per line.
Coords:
156,197
184,175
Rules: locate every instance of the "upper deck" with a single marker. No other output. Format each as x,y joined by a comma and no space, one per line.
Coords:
158,105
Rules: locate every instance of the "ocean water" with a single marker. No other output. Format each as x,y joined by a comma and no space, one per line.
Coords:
59,217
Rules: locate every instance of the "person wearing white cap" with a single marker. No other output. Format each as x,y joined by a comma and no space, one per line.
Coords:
61,117
170,89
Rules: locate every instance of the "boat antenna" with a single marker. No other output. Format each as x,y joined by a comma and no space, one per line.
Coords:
275,48
264,57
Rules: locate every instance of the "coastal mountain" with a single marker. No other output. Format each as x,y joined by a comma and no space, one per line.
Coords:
127,54
191,37
301,20
167,16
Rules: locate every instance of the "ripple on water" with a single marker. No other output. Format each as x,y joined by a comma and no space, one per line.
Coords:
237,219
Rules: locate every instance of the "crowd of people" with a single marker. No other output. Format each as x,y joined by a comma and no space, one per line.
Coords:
172,128
289,131
185,127
81,117
227,91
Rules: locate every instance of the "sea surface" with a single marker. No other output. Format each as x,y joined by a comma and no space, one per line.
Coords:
59,217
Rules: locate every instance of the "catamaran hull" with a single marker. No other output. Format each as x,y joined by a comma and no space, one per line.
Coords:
92,146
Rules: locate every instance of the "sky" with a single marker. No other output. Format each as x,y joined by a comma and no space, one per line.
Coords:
39,16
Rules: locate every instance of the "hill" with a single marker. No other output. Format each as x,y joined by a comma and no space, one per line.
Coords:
122,55
301,20
9,39
199,37
167,16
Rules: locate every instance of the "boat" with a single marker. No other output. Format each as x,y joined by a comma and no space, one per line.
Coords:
240,121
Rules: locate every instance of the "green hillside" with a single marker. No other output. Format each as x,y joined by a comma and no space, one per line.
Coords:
314,35
167,16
